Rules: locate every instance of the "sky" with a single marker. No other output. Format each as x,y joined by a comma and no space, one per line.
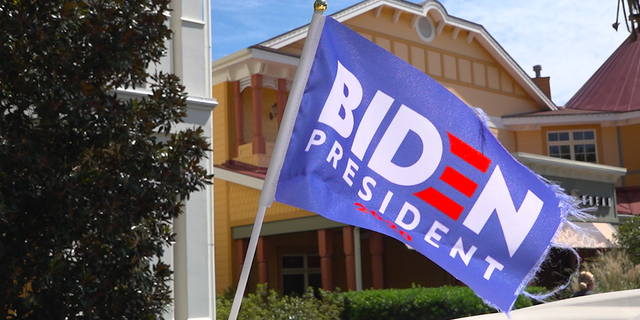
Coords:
570,39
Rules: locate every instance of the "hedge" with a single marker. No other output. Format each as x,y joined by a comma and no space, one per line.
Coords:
402,304
417,303
267,304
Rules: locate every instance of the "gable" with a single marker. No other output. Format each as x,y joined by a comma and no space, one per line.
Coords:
462,56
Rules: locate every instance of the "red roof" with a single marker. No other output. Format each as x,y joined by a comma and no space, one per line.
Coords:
615,87
628,199
243,168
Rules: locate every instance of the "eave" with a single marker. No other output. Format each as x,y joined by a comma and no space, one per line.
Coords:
564,168
441,19
254,60
536,121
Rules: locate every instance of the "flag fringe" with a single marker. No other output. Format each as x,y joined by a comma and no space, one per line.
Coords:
570,207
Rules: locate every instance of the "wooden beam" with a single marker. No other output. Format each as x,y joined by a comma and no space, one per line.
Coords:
377,12
455,33
396,16
440,26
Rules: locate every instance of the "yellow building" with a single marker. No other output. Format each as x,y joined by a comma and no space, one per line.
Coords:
299,248
599,124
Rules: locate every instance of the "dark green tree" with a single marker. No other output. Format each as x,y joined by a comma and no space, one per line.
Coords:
89,183
628,238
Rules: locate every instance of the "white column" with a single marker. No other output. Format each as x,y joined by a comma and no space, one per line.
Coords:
191,45
193,256
193,265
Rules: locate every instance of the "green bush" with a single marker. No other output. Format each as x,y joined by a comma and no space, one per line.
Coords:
541,291
628,238
267,304
418,303
402,304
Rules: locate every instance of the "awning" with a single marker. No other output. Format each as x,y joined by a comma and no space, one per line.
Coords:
587,235
628,200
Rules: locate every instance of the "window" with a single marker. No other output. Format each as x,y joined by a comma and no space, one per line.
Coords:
573,145
425,28
300,272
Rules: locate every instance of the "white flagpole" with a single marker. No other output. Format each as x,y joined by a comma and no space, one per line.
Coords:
268,192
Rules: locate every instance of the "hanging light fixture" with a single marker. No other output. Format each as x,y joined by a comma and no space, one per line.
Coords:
274,111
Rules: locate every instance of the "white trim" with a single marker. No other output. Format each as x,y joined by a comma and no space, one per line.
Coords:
245,83
569,169
247,62
470,37
413,20
367,5
396,15
275,57
520,76
238,178
440,27
270,82
495,122
481,35
205,104
454,34
200,103
267,82
416,25
377,11
133,93
209,54
572,143
605,119
198,22
249,54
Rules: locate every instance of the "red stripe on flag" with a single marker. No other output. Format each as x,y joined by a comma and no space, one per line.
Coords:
440,202
458,181
468,153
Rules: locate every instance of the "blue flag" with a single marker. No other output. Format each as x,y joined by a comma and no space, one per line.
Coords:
380,145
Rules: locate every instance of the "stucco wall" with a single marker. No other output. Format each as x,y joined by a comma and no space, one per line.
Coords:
530,142
610,150
631,153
